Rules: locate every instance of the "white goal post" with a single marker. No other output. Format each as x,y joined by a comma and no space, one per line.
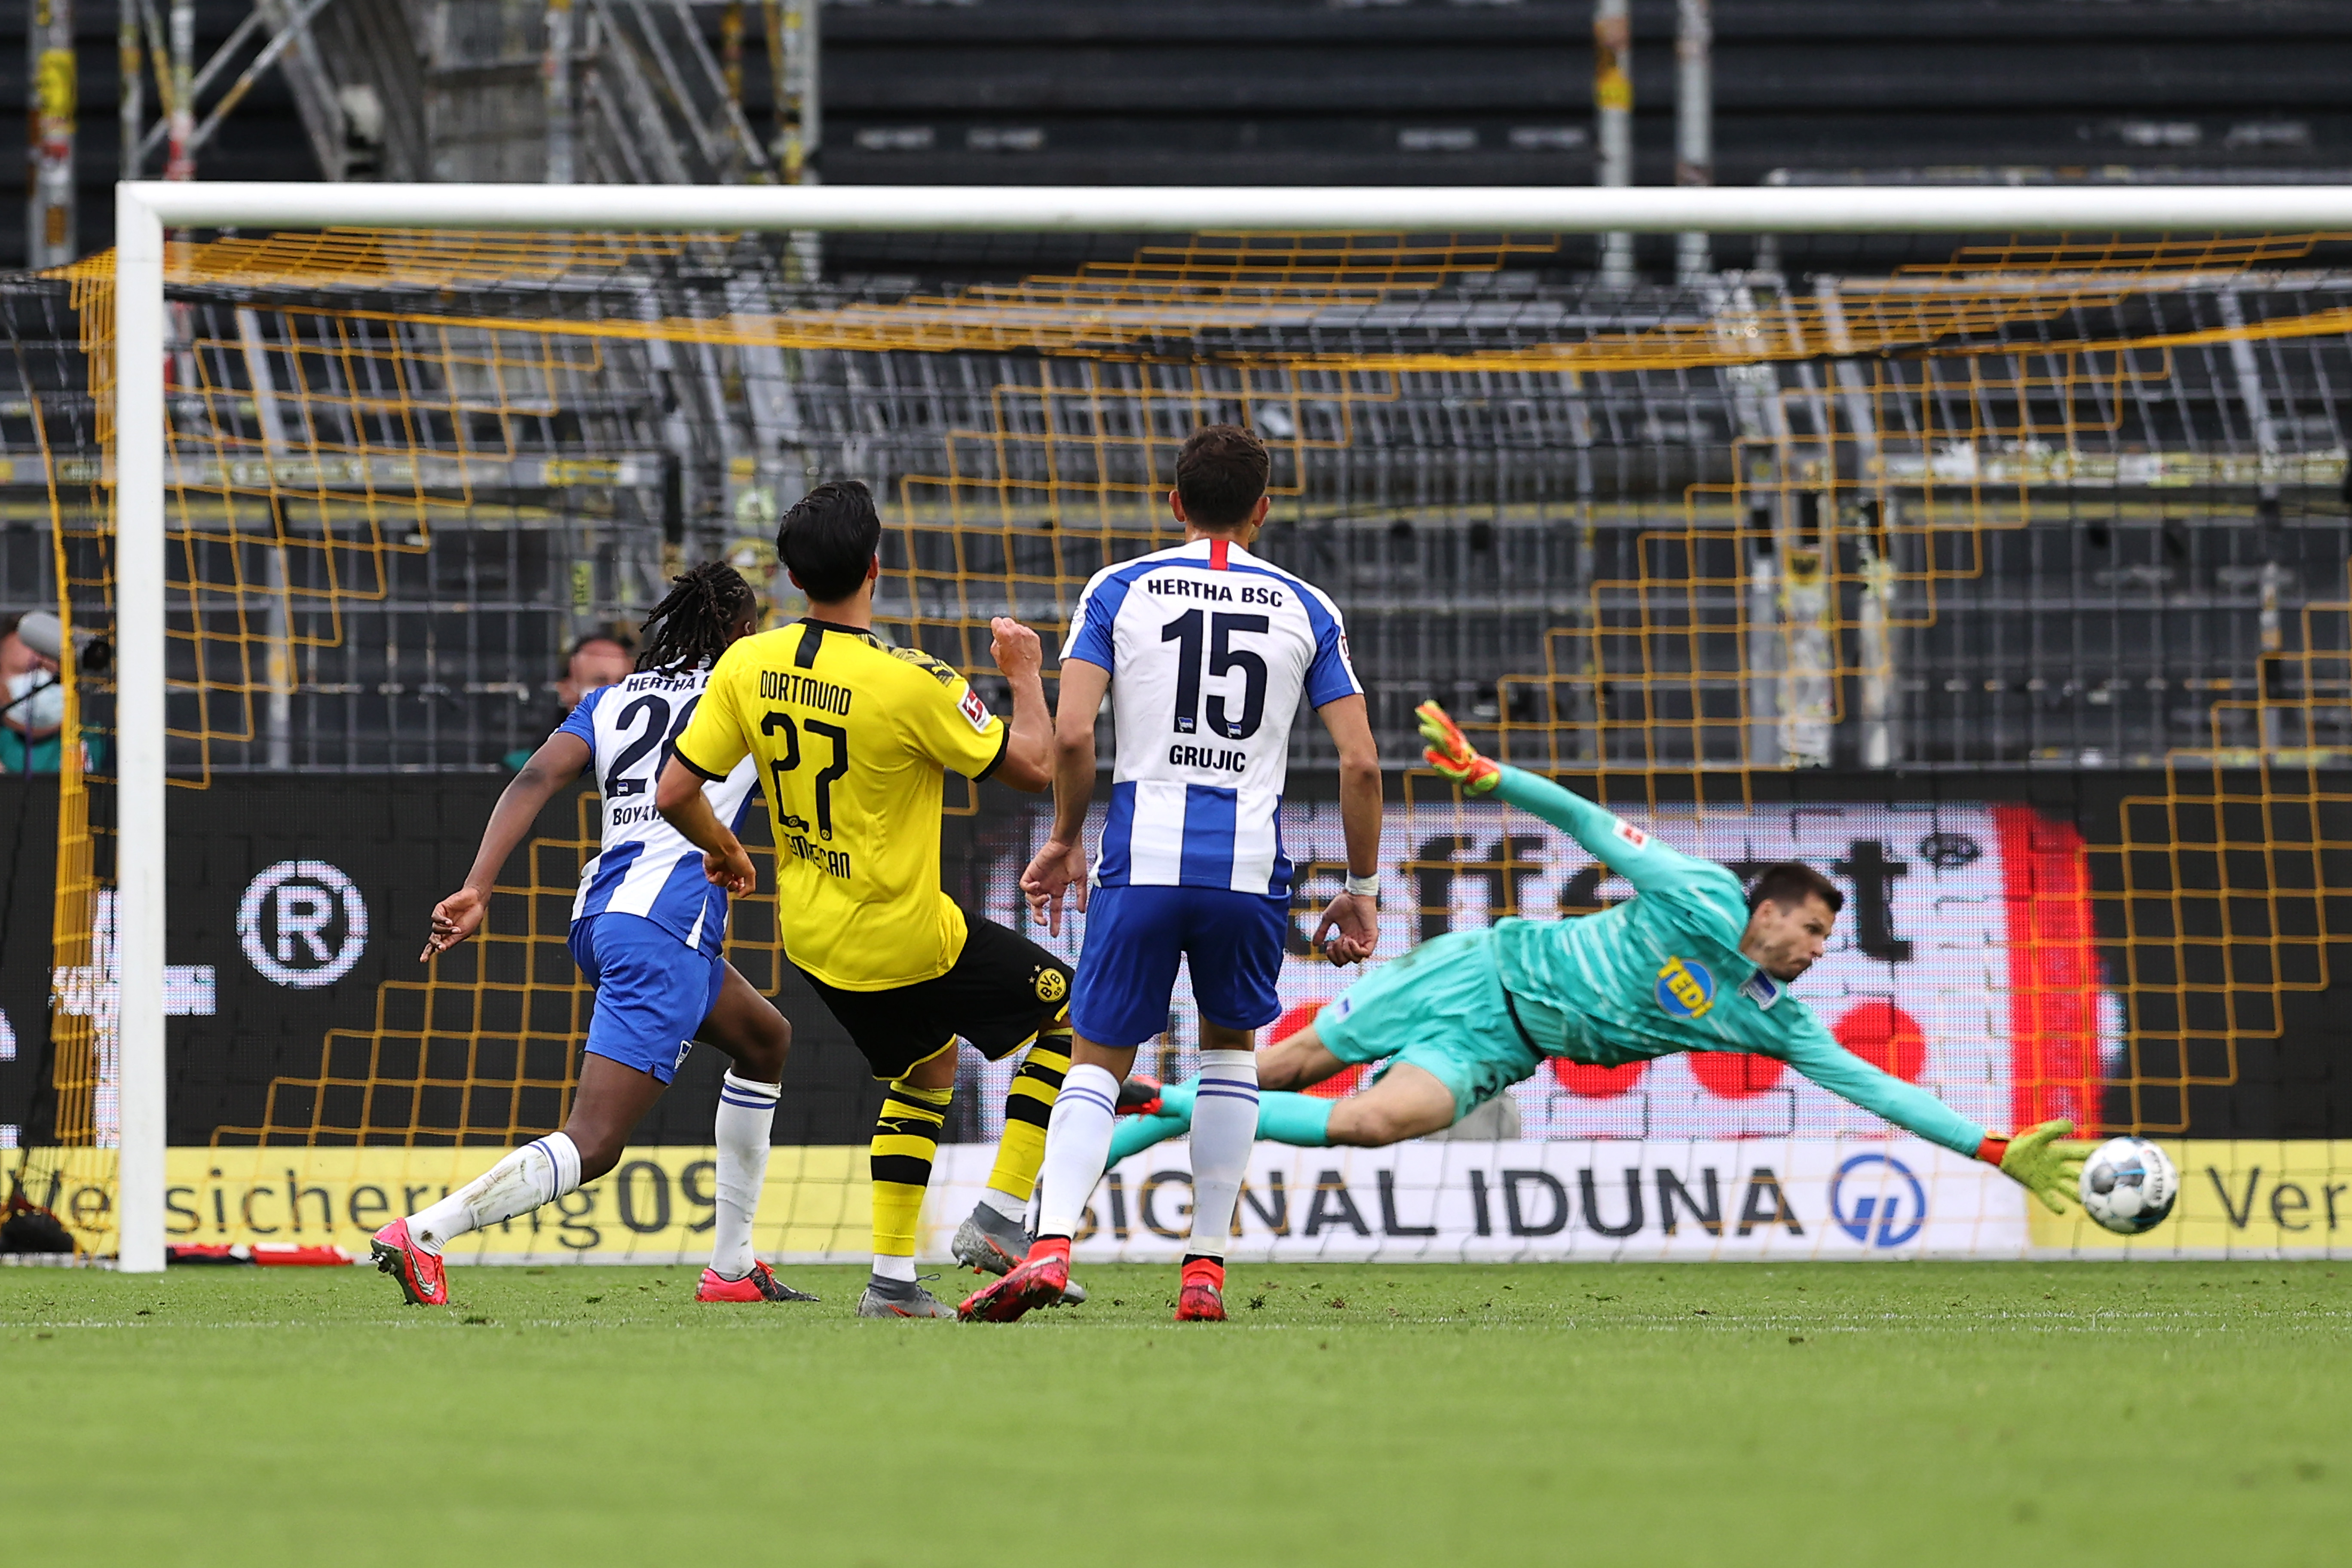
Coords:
145,209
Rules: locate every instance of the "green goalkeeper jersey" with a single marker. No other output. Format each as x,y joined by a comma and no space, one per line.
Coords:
1663,972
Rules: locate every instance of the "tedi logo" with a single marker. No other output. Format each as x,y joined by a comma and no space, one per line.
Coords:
1886,1206
1685,990
302,923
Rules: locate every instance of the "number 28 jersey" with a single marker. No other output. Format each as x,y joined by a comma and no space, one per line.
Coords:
644,866
1210,650
852,738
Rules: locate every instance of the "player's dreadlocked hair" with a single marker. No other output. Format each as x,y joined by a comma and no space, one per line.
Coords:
688,629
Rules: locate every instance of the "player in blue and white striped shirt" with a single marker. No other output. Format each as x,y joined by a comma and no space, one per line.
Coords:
647,929
1206,652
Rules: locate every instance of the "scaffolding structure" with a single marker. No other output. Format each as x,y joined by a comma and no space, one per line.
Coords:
587,91
2066,507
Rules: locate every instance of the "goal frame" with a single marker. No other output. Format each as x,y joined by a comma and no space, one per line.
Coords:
145,209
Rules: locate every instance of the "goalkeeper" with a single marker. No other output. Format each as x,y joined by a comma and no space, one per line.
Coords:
1691,964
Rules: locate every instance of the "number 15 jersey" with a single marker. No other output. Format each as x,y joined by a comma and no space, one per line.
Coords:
853,738
1210,650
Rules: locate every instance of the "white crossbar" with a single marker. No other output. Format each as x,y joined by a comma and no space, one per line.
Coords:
1188,209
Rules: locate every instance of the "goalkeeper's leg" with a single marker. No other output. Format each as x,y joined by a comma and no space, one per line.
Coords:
1406,1101
1134,1134
1439,1018
1302,1121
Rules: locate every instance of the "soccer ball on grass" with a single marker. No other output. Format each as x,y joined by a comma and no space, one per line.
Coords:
2128,1186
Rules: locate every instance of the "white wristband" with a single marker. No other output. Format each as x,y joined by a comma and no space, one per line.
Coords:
1364,887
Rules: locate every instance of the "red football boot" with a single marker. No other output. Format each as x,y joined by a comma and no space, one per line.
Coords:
1138,1095
760,1285
1202,1298
419,1272
1038,1281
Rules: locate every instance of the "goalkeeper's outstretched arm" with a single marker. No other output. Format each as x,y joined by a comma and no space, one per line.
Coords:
2042,1159
1816,1053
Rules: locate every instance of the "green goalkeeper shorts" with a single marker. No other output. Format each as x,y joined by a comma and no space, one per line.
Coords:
1441,1008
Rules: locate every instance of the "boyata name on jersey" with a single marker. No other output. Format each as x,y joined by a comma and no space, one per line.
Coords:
644,866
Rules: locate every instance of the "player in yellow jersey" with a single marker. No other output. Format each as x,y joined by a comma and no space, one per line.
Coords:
853,738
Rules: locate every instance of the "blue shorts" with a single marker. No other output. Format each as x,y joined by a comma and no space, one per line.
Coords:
652,991
1134,937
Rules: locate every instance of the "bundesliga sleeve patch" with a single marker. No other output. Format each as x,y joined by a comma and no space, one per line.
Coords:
1632,835
974,709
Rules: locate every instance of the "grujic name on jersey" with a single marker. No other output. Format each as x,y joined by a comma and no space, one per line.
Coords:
1210,651
644,866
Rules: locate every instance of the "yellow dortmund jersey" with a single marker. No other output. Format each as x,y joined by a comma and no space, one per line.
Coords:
853,738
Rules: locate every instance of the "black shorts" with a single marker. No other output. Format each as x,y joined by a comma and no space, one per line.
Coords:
1004,990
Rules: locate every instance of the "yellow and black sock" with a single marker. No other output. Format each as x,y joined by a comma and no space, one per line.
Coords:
1028,1106
906,1140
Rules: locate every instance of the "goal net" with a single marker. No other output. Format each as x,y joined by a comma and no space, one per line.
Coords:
2008,586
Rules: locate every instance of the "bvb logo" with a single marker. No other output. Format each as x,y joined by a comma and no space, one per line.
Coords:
1052,986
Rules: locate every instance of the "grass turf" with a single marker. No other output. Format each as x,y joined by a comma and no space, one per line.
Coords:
1736,1414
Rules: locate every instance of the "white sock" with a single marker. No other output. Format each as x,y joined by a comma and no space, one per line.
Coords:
1225,1126
1011,1208
900,1268
1077,1142
539,1173
747,1113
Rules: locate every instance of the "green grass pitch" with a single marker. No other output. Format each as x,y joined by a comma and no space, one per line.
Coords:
1889,1414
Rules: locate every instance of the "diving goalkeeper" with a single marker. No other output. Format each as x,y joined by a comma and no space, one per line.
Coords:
1691,964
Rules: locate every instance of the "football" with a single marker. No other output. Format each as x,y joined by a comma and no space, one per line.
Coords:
2128,1186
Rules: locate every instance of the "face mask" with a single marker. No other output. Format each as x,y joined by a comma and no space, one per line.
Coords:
47,709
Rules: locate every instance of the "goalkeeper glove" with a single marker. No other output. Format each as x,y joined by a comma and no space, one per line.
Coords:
1452,756
2043,1160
